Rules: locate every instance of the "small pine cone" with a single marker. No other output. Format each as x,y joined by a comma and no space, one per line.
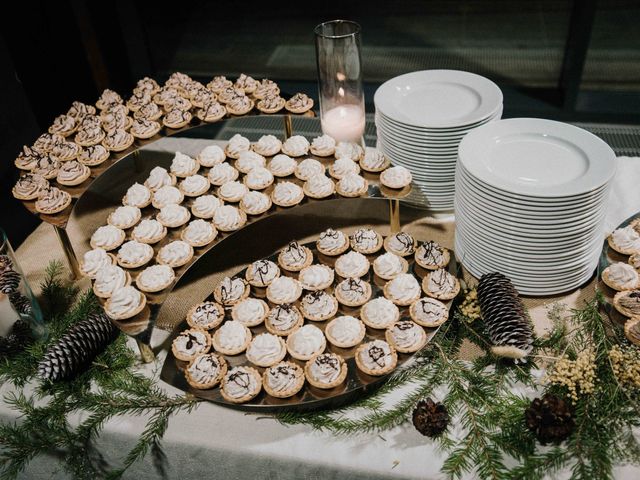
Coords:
16,341
20,303
9,281
430,418
5,263
550,419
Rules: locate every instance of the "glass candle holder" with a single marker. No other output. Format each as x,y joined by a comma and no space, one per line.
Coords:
17,301
340,80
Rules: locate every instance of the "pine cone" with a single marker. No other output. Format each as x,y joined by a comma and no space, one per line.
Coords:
504,316
20,303
77,348
5,263
430,418
9,281
550,419
16,341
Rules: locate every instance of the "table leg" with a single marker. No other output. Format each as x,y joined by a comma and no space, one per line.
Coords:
146,353
69,253
288,127
394,215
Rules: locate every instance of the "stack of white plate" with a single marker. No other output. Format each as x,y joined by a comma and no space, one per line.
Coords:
421,118
530,202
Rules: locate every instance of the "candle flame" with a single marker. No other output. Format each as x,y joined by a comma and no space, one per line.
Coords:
341,76
341,92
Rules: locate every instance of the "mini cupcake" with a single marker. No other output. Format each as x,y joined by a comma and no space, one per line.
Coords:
366,240
400,243
406,336
349,150
271,104
143,128
125,303
190,343
287,194
250,312
117,140
389,265
124,217
255,203
379,313
30,186
345,331
237,144
376,358
625,240
94,260
194,185
332,242
326,370
319,187
52,201
283,319
249,160
175,254
205,206
261,273
231,338
159,177
177,118
107,237
429,312
352,185
241,384
316,277
222,173
283,380
309,168
205,371
230,291
374,160
267,146
232,191
258,179
167,195
353,292
205,315
137,196
228,218
183,165
294,257
306,342
402,290
133,254
323,146
211,155
173,216
282,165
284,290
352,264
149,231
441,284
93,156
627,303
199,233
343,167
318,306
432,256
299,103
396,177
155,278
621,276
295,146
108,279
265,350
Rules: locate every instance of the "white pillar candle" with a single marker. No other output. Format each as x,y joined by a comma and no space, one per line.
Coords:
345,123
8,315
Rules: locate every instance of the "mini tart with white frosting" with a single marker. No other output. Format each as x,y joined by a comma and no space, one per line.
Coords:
401,243
282,165
45,142
283,380
72,173
352,185
332,242
30,186
66,151
94,260
258,179
190,343
255,203
318,305
211,111
133,254
107,237
52,200
155,278
248,160
406,336
366,240
634,261
177,118
287,194
228,218
402,290
47,166
326,370
625,240
250,311
175,254
137,196
124,303
265,88
239,104
271,104
299,103
93,155
148,111
173,215
349,150
117,140
267,145
246,83
205,206
237,144
396,177
379,313
199,233
284,290
374,160
283,319
306,342
219,83
205,315
108,279
194,185
441,284
389,265
353,292
632,330
183,165
266,350
232,191
621,276
429,312
352,264
343,167
345,331
316,277
309,168
319,187
230,291
294,257
124,217
323,146
295,146
432,256
376,357
261,273
143,128
89,136
241,384
211,155
206,370
149,231
222,173
232,338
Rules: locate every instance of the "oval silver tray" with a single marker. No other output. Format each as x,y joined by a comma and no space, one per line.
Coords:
309,398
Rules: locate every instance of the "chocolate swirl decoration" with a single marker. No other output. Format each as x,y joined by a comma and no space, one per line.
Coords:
297,252
355,285
631,302
314,297
207,311
432,252
242,379
376,354
365,235
405,240
262,268
329,233
283,371
432,309
328,360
